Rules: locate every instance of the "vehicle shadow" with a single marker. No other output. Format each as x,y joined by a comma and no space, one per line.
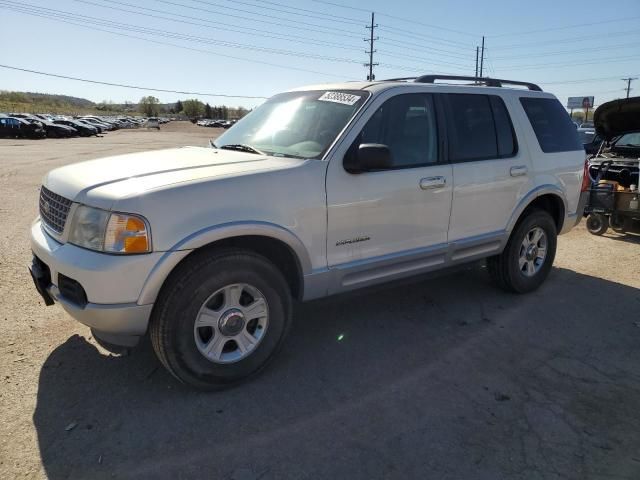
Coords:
629,237
447,375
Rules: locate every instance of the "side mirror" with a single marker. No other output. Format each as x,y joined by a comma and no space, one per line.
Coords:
374,156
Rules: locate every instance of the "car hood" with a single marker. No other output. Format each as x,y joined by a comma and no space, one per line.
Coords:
102,182
617,117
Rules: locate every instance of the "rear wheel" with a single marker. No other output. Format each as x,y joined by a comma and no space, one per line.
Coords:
220,318
597,224
618,223
528,257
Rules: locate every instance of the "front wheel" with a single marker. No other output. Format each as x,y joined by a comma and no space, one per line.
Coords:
220,318
528,257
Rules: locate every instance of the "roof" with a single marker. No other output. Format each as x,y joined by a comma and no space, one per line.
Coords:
496,86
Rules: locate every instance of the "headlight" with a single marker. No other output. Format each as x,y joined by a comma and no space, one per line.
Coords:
109,232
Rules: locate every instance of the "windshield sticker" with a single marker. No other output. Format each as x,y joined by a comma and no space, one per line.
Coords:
339,97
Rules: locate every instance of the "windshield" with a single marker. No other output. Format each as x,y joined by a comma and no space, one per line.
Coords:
629,140
294,124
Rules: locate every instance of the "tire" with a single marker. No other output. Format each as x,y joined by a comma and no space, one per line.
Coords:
192,289
597,224
507,269
618,223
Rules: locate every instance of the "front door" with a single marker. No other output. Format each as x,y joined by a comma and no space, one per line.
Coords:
390,222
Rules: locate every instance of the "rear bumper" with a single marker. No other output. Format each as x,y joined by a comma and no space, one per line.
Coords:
573,219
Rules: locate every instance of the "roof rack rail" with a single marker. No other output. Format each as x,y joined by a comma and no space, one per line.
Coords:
489,82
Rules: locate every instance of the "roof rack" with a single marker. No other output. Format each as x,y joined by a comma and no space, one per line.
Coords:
489,82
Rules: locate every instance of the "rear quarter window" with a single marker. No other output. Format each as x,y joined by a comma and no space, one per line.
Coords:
551,123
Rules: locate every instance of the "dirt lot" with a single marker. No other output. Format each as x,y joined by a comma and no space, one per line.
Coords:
445,378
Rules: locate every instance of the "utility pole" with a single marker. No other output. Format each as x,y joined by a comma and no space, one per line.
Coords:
482,58
371,77
629,80
477,50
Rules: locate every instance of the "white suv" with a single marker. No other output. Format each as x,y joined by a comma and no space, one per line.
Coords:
318,191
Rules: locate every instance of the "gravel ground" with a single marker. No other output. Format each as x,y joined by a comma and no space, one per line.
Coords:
444,378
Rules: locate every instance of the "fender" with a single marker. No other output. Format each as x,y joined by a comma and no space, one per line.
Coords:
203,237
530,197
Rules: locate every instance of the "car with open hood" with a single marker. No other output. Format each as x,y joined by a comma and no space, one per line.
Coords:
617,125
614,168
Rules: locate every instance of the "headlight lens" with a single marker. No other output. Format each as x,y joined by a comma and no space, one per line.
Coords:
88,228
110,232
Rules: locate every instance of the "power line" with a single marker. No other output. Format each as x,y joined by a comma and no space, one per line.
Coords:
307,14
565,27
252,31
421,36
183,47
566,40
567,52
65,18
582,80
573,64
30,9
416,22
136,87
419,48
394,54
261,15
306,10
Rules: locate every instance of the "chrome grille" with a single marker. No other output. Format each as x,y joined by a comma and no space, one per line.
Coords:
53,209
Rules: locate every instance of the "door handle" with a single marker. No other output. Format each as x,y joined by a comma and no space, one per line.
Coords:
518,171
432,182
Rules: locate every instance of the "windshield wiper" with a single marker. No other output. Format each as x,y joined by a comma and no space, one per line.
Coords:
242,147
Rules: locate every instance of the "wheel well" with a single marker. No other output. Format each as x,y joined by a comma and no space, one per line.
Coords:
550,203
276,251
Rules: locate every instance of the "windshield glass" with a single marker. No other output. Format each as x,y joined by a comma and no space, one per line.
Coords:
629,140
295,124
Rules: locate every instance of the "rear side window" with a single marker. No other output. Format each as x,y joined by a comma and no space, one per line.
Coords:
480,128
553,128
505,136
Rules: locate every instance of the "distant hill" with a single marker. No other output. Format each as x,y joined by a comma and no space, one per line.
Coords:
32,102
60,99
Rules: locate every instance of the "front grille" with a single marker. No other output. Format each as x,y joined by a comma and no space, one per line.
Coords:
53,210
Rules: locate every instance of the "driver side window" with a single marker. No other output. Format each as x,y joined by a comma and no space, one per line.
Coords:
406,124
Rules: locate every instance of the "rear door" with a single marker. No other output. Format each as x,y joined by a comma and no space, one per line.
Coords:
490,170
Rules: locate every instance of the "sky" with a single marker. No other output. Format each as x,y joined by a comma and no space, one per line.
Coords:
257,48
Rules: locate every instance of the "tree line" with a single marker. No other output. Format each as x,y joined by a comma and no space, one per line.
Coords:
192,108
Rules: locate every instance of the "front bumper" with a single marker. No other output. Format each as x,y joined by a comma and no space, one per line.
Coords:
112,285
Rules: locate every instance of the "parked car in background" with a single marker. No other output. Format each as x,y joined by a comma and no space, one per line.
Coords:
587,125
96,123
586,135
12,127
152,122
83,129
98,128
53,130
